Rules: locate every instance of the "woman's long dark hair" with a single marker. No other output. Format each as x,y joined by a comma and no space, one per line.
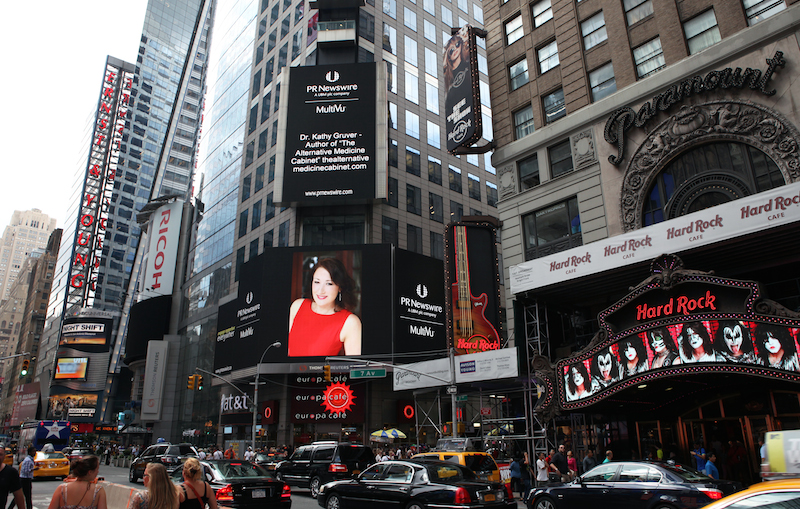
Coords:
340,276
82,466
701,331
779,333
581,368
722,347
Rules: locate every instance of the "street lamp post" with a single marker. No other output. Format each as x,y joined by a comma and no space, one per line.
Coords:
255,393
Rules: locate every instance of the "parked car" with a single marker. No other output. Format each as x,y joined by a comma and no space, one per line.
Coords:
171,455
242,485
633,485
772,494
50,464
414,484
270,460
311,466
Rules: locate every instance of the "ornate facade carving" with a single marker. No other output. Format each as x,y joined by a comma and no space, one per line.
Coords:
507,181
740,121
583,150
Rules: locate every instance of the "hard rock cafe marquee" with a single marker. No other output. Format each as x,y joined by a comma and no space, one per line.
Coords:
676,323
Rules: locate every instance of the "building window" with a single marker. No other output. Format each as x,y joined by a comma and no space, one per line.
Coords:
523,122
239,263
253,249
414,238
602,82
413,199
431,62
410,18
390,38
259,179
429,30
514,30
456,211
701,32
759,10
491,194
552,229
548,57
243,216
412,161
256,220
410,51
269,239
389,231
637,10
649,58
392,192
454,177
246,187
560,159
412,124
432,98
269,208
437,245
283,234
393,115
554,106
436,206
434,135
542,13
529,172
518,74
474,186
391,77
434,170
593,31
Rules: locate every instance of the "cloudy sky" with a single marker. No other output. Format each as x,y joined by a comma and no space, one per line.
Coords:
52,56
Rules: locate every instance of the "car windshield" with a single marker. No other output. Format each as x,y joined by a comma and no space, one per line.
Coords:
49,456
241,470
686,473
180,450
448,474
479,462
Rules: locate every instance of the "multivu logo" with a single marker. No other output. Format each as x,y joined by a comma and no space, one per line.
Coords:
467,367
422,330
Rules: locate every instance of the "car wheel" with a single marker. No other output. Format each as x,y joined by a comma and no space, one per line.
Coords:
545,503
333,502
415,505
314,487
132,476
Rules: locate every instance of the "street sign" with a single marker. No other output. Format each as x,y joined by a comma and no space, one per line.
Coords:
462,397
368,373
452,389
486,411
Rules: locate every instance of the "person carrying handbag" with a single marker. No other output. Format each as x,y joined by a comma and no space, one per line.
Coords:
195,492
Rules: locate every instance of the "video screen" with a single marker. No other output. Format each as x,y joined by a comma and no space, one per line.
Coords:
71,368
85,332
698,342
66,407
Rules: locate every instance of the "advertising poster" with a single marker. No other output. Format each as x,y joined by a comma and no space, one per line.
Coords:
68,407
321,302
331,154
462,98
71,368
26,402
337,401
86,332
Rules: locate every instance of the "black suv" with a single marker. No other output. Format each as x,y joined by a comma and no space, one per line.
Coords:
171,455
313,465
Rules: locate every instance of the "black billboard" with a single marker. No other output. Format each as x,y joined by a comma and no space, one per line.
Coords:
333,151
323,301
462,98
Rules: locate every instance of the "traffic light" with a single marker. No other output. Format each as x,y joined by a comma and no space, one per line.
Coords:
199,382
191,383
326,369
25,364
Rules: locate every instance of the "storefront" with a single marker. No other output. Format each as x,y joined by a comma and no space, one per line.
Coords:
703,163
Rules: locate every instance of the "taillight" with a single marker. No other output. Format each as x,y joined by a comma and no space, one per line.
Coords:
509,491
287,491
712,493
225,494
337,467
462,496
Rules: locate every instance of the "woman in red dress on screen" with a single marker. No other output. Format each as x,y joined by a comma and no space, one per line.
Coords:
324,324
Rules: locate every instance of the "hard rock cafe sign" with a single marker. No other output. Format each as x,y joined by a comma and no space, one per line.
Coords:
623,119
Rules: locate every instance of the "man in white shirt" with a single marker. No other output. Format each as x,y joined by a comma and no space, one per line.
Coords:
541,471
217,454
248,454
201,454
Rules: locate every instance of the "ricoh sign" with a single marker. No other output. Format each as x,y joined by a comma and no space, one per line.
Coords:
332,153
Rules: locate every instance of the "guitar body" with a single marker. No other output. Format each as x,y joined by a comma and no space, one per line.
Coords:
472,331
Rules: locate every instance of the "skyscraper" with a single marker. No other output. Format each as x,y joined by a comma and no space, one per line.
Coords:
28,230
143,145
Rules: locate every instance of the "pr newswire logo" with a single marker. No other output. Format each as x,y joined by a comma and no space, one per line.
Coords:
332,76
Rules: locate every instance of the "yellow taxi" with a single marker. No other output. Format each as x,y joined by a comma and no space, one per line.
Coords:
50,464
9,459
783,493
481,463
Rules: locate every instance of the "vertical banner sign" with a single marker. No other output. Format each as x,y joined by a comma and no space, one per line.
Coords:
330,152
462,99
162,253
474,287
155,371
98,185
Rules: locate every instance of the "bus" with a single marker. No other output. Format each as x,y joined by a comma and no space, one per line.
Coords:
40,433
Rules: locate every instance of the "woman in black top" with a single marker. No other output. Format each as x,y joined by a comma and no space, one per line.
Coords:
195,492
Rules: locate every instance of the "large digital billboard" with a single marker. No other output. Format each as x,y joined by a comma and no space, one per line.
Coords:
462,105
320,302
335,147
